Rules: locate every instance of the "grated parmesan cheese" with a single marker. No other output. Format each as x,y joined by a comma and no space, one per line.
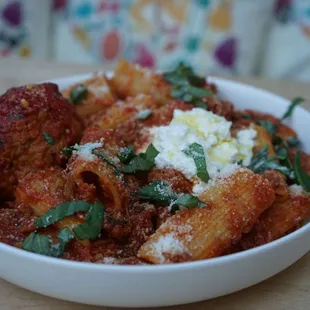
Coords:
98,91
84,151
109,260
167,244
296,190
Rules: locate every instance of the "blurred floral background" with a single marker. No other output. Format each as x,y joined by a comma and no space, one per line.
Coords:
242,37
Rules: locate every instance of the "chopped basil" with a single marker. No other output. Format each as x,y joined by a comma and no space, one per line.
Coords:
67,151
61,211
302,177
295,102
106,158
150,153
78,94
160,192
93,223
261,162
138,163
37,243
187,86
142,162
64,236
293,141
126,154
144,114
270,127
42,244
189,201
49,139
196,151
92,227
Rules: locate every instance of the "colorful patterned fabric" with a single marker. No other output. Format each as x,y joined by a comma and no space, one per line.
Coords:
244,37
211,35
24,28
287,52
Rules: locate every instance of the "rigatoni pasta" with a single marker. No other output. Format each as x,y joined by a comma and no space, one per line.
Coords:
165,171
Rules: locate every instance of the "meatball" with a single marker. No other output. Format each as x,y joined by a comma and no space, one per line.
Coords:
36,122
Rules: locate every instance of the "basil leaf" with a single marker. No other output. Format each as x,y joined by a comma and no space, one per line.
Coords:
142,162
144,114
42,244
295,102
37,243
64,236
293,141
270,127
160,192
261,162
199,92
187,86
196,151
138,164
93,224
302,177
105,157
189,201
196,80
126,154
157,192
67,151
150,153
61,211
49,139
78,94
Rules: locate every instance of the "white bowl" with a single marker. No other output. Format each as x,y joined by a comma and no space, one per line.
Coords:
149,286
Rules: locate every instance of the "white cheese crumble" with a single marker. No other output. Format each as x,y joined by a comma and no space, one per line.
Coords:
296,190
84,151
109,260
167,244
98,90
209,130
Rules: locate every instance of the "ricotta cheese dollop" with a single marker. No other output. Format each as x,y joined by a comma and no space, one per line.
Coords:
212,132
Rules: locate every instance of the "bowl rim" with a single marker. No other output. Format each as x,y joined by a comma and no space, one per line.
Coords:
128,269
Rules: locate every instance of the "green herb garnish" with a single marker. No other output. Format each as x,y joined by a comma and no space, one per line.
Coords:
196,151
126,154
270,127
61,211
144,114
189,201
293,141
295,102
92,226
187,86
42,244
160,192
137,163
49,139
78,94
106,158
261,162
67,151
302,177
